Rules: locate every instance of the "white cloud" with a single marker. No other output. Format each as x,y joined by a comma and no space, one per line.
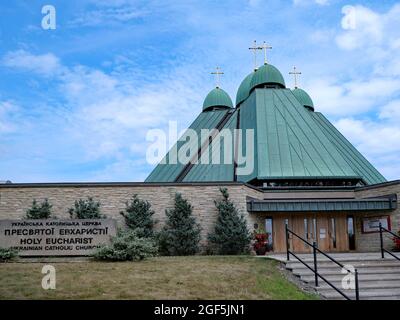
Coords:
365,28
46,64
107,115
352,97
307,2
391,112
377,141
7,112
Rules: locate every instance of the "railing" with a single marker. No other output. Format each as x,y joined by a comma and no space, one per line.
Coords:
315,269
383,250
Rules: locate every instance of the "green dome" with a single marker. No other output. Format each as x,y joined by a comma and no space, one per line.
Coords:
303,98
244,89
217,98
267,74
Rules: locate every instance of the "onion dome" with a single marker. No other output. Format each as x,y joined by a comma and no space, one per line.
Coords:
244,89
303,98
217,99
267,75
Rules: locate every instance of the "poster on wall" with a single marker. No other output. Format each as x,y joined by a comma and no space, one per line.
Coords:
371,224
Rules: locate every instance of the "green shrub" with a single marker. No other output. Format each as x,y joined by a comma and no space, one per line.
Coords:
181,234
139,216
7,254
127,246
86,209
231,235
36,211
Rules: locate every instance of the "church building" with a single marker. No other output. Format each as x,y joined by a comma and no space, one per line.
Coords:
283,162
306,174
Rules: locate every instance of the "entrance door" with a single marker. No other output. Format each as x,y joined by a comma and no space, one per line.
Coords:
304,226
279,222
329,231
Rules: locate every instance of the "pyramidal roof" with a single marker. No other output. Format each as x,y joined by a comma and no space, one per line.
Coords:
290,142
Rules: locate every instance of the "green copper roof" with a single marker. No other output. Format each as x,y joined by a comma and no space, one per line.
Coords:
244,89
303,98
169,168
217,98
352,156
218,169
267,74
288,143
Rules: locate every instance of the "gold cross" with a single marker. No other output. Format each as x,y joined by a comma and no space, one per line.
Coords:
217,74
255,48
265,47
295,73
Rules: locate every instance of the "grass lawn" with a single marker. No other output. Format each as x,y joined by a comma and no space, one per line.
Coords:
198,277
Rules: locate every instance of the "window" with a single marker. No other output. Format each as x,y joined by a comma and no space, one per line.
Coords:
351,233
305,232
268,231
333,230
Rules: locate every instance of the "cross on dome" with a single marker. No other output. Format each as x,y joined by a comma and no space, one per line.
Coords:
295,73
254,48
217,74
266,47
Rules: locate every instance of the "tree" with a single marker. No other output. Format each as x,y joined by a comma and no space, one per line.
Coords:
231,235
180,235
127,246
36,211
139,216
86,209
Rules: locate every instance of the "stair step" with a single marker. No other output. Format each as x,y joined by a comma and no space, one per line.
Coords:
366,293
378,278
335,271
356,264
378,284
362,278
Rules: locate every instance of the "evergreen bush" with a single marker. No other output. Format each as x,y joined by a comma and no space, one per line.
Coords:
127,246
86,209
7,254
139,216
231,235
180,235
39,211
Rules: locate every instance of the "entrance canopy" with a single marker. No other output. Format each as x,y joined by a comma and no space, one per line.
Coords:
317,205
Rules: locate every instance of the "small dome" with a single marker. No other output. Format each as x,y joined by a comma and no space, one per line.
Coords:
303,98
217,98
244,89
265,75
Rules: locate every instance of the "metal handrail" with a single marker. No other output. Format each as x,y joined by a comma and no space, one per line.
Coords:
315,269
383,250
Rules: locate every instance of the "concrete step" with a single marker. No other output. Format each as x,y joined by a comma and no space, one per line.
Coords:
335,271
377,284
378,278
363,278
356,264
370,294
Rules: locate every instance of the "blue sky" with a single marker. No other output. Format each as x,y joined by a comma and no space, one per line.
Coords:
76,102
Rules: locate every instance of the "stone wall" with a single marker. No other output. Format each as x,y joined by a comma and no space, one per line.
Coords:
371,241
16,199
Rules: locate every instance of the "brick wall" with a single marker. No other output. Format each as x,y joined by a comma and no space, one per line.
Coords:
370,241
15,200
